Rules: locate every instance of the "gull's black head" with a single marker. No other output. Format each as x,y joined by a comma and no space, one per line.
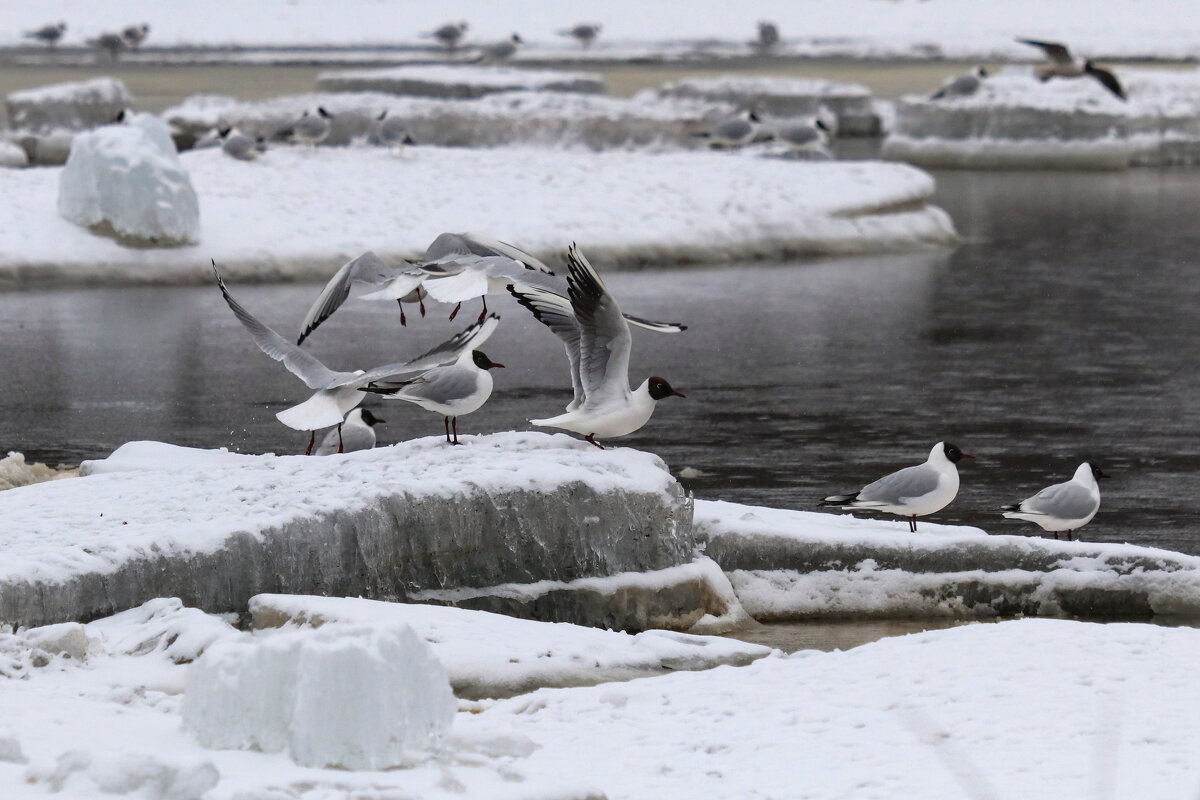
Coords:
321,110
382,116
753,117
953,453
981,72
370,418
516,39
482,361
820,123
659,389
1097,473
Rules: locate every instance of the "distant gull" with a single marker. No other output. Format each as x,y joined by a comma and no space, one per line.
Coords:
961,86
1064,506
585,33
338,392
500,51
111,43
135,34
597,341
807,138
768,35
911,492
449,34
1061,64
734,132
391,131
311,129
357,432
50,34
236,144
452,391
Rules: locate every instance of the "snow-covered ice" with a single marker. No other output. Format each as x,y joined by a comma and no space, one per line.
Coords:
262,221
73,106
12,155
460,82
1016,121
16,471
787,565
129,180
356,697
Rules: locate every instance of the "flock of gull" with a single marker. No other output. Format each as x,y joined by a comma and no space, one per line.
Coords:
1059,63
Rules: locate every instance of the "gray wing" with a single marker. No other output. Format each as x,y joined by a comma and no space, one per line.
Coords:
354,437
448,351
657,327
604,339
1063,500
367,268
303,365
554,311
438,385
733,129
1108,80
459,244
1056,52
895,488
800,135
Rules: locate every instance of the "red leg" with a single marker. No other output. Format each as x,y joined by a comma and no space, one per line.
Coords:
482,314
312,438
454,313
403,321
454,422
591,439
447,420
1056,534
341,447
1069,539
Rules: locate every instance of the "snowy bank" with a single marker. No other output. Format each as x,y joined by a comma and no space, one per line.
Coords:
1031,708
787,565
263,221
1016,121
215,528
459,82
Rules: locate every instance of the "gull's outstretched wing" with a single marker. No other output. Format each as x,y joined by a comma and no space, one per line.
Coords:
448,351
367,268
554,311
1056,52
604,339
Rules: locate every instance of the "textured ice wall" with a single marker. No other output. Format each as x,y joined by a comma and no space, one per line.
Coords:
216,528
356,697
458,82
72,106
128,178
798,565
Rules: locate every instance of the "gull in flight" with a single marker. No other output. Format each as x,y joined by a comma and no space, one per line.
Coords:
401,284
597,340
357,432
1064,506
911,492
336,393
1060,63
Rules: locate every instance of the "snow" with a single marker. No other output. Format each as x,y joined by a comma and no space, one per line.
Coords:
795,565
491,655
435,80
1029,708
933,29
262,220
129,179
1014,120
355,697
216,528
77,105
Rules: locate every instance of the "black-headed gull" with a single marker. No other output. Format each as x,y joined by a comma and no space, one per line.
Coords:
500,51
911,492
1064,506
961,86
111,43
50,34
805,138
449,34
391,131
134,35
236,144
597,341
734,132
453,391
357,432
402,284
585,33
311,129
338,392
1060,63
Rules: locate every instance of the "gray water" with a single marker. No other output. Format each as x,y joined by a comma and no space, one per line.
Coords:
1064,328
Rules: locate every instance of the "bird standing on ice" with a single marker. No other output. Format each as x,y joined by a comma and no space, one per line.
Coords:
585,33
734,132
357,432
449,34
597,340
50,34
911,492
962,86
312,129
1064,506
1061,64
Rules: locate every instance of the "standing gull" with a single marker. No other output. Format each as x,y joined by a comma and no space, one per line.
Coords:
449,34
911,492
597,341
768,35
134,35
391,131
50,34
1064,506
734,132
961,86
236,144
357,432
805,139
585,33
111,43
1061,64
311,129
338,392
502,50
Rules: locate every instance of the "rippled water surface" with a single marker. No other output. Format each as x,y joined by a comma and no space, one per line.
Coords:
1065,327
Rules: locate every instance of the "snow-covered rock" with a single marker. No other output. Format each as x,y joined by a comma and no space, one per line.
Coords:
356,697
129,180
784,97
217,528
787,565
71,106
1016,121
458,82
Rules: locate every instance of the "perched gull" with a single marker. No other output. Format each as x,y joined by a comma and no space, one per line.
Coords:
911,492
311,129
357,432
50,34
236,144
961,86
111,43
735,132
135,34
387,283
452,391
807,138
597,340
502,50
585,33
391,131
1064,506
338,392
449,34
768,35
1061,64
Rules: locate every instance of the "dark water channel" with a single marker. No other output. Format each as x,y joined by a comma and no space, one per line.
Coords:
1065,327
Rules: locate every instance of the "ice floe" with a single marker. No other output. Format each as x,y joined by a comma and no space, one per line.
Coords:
73,106
458,82
16,471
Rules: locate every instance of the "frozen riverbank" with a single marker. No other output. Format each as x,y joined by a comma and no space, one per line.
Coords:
264,220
